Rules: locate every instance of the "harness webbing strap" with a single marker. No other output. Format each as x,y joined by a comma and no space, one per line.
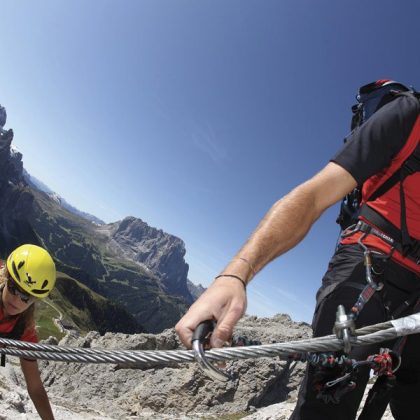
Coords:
363,299
410,166
393,233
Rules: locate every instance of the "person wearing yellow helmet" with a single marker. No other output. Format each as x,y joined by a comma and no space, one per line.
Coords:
29,275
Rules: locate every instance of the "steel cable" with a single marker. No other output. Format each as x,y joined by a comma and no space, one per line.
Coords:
364,336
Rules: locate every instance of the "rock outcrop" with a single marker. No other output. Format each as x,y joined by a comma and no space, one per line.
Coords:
16,200
195,289
179,391
161,253
262,389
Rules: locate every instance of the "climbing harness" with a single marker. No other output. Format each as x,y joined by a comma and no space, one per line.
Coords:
333,380
345,325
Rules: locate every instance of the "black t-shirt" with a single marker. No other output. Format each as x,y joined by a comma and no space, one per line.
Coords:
370,148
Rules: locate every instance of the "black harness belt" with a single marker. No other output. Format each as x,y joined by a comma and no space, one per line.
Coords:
388,232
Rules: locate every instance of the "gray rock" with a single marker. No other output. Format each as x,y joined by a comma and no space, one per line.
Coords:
3,116
261,389
179,390
196,290
161,253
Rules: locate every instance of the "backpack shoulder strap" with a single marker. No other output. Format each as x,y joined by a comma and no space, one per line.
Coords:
409,162
410,166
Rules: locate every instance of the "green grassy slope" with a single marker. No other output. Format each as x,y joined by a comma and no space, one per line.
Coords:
82,253
86,310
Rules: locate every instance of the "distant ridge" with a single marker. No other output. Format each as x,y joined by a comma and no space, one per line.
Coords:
40,186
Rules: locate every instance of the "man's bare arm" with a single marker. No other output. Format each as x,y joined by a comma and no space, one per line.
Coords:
289,219
284,226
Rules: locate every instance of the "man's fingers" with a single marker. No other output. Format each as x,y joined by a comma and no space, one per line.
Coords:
224,304
224,329
184,333
189,322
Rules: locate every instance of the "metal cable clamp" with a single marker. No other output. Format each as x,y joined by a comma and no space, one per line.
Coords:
344,327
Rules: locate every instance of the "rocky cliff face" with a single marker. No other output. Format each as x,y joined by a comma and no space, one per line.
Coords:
10,160
161,253
196,290
16,199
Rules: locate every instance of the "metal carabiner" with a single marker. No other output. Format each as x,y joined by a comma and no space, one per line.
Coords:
350,230
199,336
367,258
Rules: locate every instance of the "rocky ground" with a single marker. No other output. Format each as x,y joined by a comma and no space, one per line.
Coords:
261,389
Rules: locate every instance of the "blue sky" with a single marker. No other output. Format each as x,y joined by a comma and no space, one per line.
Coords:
196,116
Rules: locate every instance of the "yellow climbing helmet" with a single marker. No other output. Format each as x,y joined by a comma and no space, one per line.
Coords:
33,269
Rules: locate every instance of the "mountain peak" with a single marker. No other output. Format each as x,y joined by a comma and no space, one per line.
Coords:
160,252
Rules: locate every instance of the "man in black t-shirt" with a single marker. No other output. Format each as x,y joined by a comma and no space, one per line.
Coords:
371,147
376,147
369,150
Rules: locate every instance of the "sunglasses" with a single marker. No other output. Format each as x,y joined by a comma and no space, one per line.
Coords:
15,290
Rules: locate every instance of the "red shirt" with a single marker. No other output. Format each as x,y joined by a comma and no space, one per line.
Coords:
7,325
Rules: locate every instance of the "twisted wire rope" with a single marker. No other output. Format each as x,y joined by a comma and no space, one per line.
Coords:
364,336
